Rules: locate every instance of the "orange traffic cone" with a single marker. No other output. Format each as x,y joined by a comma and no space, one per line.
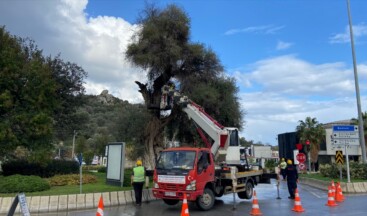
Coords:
297,202
255,206
185,207
330,199
333,189
339,194
100,207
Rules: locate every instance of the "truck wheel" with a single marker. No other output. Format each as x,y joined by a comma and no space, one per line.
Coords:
206,201
220,192
170,201
248,193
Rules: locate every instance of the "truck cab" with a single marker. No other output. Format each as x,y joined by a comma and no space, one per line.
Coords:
185,170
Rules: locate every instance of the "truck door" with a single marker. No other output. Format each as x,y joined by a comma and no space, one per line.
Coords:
205,169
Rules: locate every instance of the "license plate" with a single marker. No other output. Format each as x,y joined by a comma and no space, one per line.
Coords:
170,194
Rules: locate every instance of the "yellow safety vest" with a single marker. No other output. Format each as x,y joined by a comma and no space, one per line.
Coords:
139,174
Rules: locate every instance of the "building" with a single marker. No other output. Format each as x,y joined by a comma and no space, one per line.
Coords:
287,145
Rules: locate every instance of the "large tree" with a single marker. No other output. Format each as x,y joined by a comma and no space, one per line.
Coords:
37,94
27,95
313,131
163,49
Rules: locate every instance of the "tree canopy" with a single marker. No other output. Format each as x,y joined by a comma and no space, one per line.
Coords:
162,47
313,131
33,90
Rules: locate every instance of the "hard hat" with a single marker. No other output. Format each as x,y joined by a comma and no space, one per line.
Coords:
139,163
283,159
289,162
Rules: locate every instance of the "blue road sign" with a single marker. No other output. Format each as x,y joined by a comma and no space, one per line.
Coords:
344,128
80,159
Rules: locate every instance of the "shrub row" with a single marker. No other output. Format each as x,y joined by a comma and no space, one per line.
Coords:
19,183
54,167
72,179
357,170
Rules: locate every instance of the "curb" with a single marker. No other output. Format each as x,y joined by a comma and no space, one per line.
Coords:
358,187
71,202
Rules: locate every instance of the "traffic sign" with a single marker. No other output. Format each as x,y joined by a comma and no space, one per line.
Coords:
345,128
346,135
345,141
301,157
339,157
302,166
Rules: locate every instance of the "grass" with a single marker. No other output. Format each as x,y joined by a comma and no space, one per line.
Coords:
318,176
100,186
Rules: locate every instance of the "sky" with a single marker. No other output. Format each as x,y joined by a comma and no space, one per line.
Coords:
291,58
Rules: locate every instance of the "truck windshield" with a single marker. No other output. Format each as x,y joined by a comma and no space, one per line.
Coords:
176,160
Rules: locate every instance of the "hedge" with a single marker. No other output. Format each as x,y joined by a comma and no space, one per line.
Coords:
20,183
54,167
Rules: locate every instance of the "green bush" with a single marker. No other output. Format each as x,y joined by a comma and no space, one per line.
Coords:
102,169
72,179
19,183
127,177
357,170
54,167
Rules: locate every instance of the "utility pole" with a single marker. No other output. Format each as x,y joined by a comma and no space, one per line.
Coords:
360,119
72,151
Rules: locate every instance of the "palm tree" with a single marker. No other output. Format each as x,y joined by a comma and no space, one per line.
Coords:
311,130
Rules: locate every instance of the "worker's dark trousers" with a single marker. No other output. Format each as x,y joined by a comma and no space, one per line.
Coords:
138,189
292,185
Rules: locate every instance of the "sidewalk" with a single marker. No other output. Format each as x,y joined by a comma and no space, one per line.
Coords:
63,203
358,187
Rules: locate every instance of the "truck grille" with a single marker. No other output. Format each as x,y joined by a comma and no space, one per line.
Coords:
172,187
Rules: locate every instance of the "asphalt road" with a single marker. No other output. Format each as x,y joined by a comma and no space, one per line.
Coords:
312,200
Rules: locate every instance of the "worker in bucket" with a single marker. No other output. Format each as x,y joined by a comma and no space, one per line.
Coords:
283,166
292,178
137,181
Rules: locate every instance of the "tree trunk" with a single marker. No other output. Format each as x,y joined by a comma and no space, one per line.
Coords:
153,132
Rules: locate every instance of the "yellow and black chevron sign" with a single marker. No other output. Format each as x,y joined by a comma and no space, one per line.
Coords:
339,157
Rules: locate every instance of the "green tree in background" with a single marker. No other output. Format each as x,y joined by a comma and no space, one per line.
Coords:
69,90
27,96
163,49
311,130
36,93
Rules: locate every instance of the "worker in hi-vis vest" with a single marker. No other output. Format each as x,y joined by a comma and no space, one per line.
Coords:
137,180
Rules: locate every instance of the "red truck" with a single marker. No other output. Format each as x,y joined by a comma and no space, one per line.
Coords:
205,173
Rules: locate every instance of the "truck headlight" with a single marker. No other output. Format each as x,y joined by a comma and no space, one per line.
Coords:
191,186
156,185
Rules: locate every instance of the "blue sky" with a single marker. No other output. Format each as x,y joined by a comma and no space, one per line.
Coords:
291,58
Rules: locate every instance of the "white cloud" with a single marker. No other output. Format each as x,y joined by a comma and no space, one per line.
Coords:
285,89
359,31
265,29
95,43
281,45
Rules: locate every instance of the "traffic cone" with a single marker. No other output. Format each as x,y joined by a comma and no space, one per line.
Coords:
330,199
333,189
339,194
185,207
297,202
100,207
255,206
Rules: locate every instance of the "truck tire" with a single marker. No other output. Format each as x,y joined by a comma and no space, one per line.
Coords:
170,201
206,201
219,192
247,194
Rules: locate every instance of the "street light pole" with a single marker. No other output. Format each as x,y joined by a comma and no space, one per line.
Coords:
308,155
72,151
360,119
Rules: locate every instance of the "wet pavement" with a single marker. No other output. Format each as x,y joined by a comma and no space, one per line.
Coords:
312,201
